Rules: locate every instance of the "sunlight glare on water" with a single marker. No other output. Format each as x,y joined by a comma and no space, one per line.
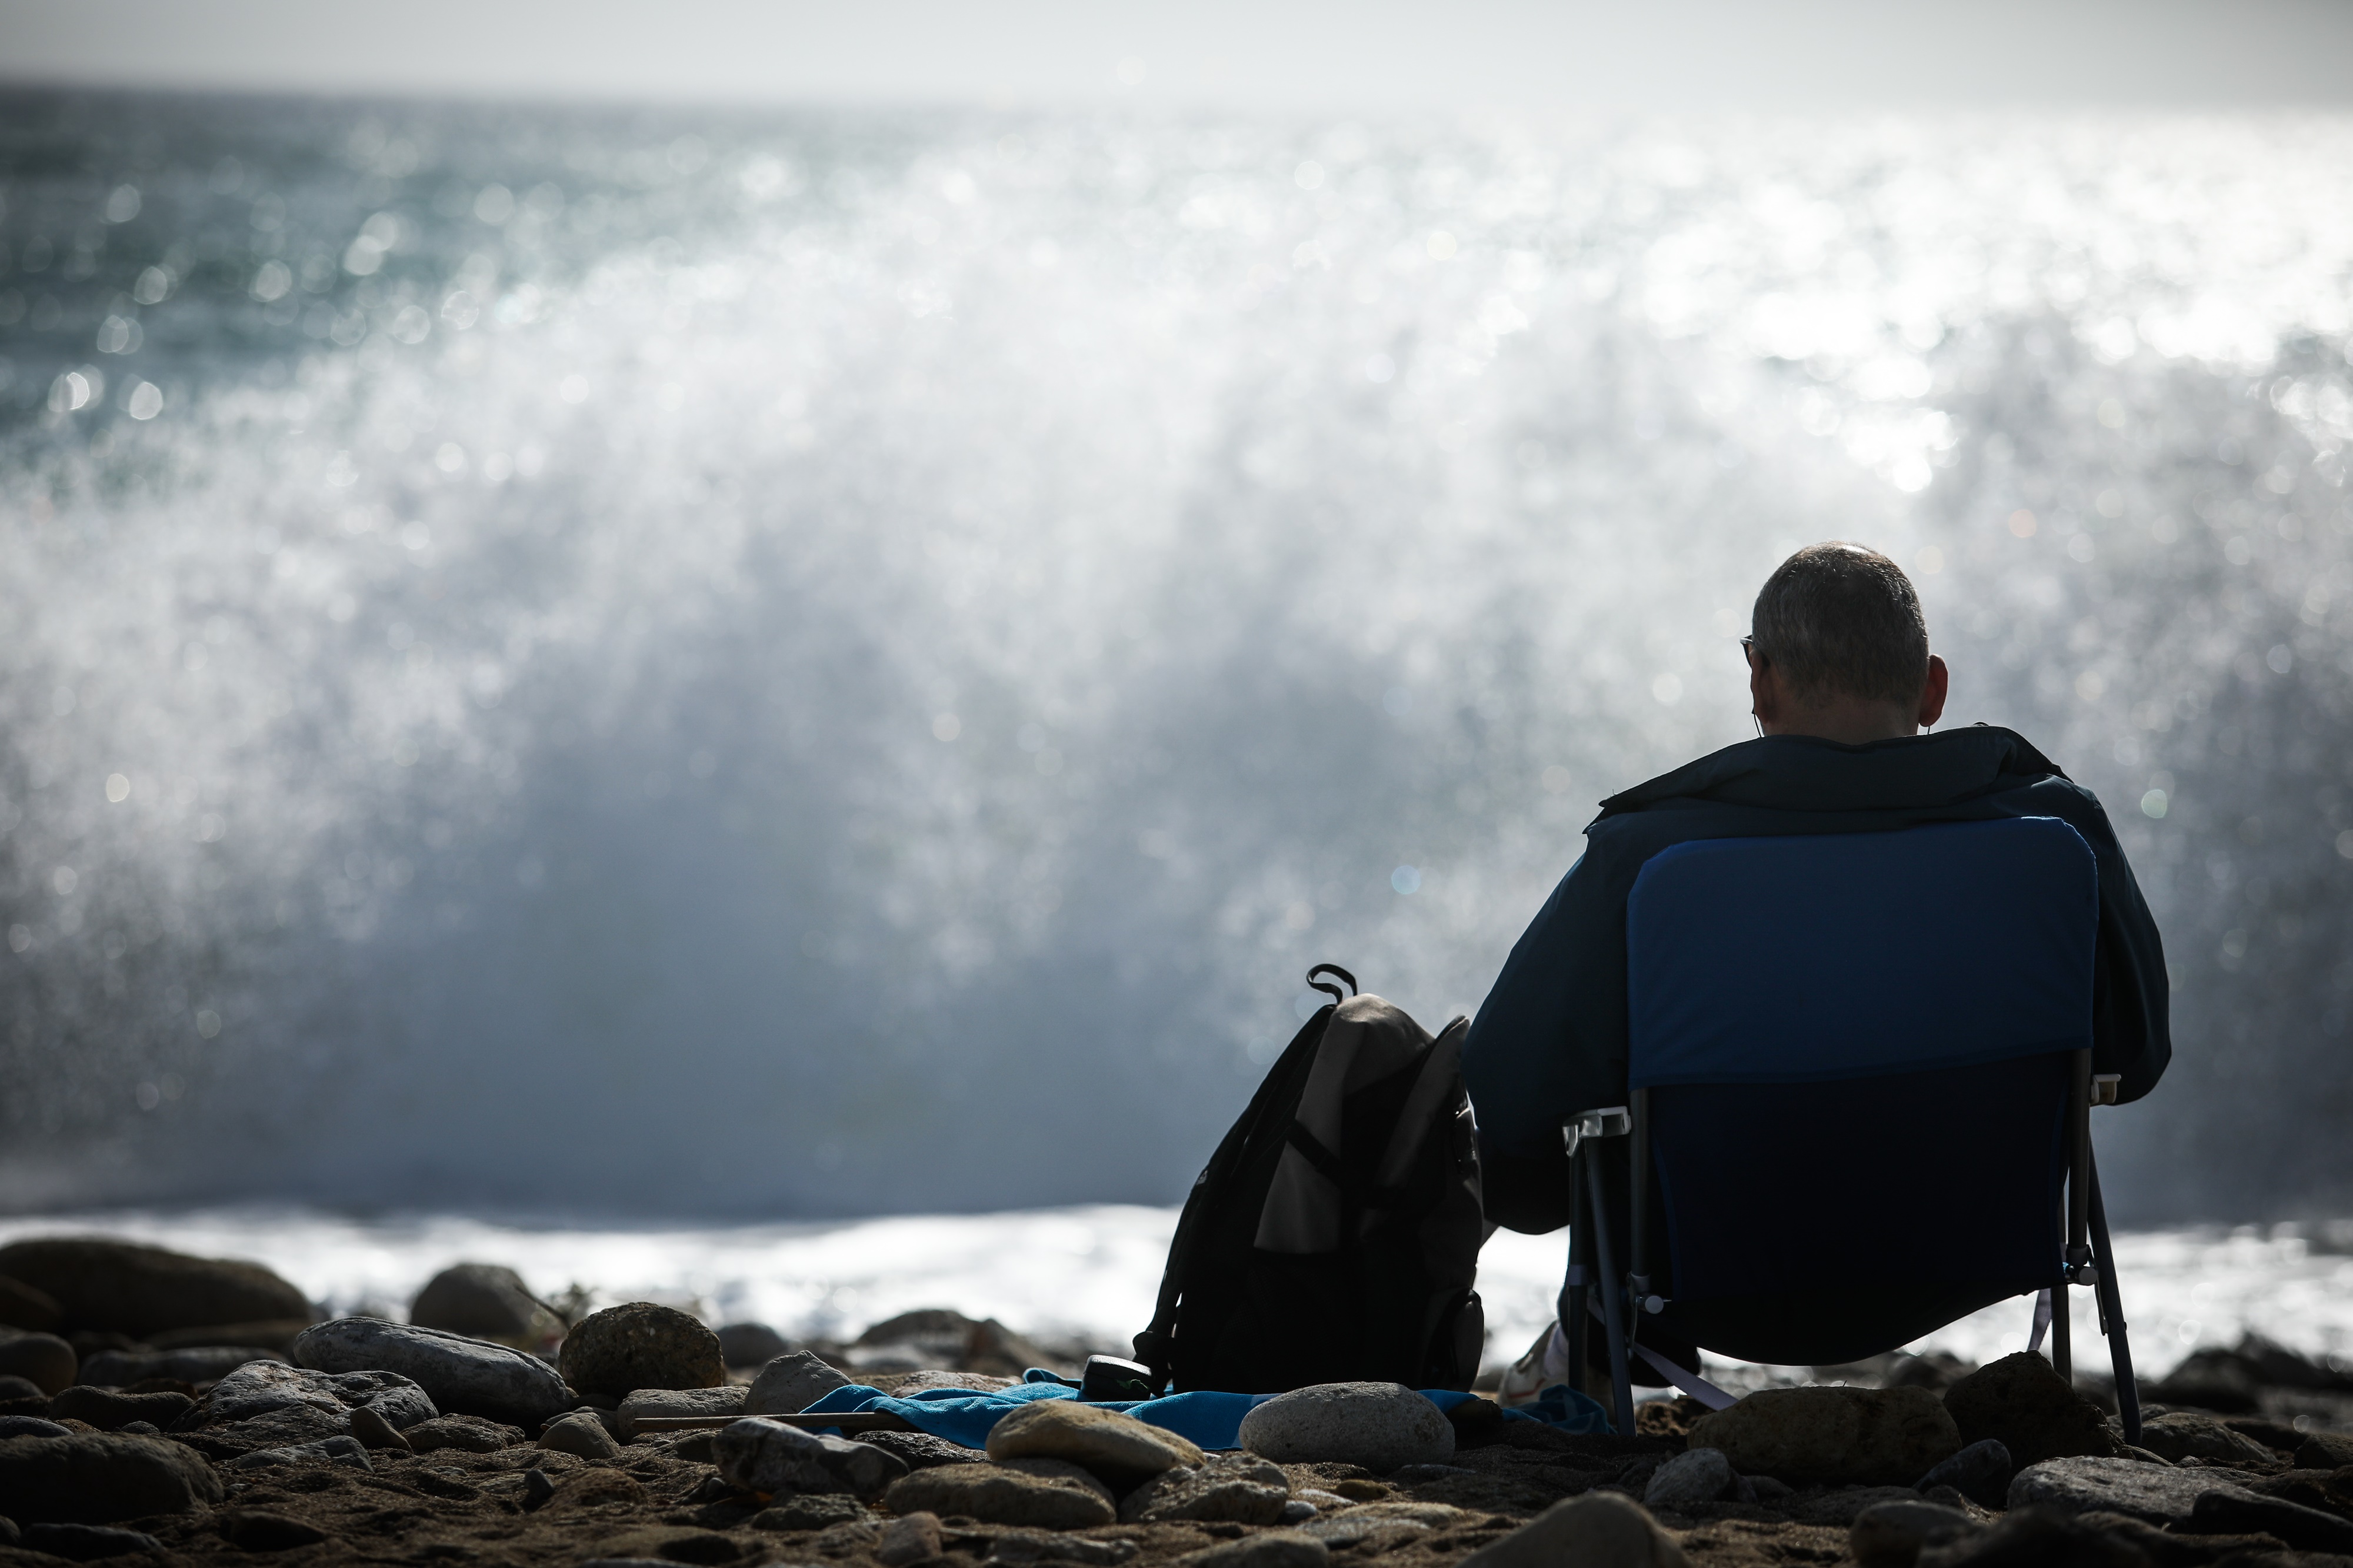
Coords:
833,663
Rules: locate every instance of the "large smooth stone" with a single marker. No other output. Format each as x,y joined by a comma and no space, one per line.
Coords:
2158,1493
341,1450
1891,1534
921,1450
1242,1489
291,1427
87,1542
791,1384
1693,1476
1599,1530
941,1337
1044,1494
2179,1435
581,1434
758,1456
273,1335
2046,1538
22,1307
2022,1401
467,1434
1845,1436
645,1402
43,1360
129,1287
105,1409
1979,1472
1108,1443
1275,1549
252,1530
913,1538
2324,1451
641,1345
486,1302
2304,1529
751,1344
204,1364
1380,1425
472,1377
262,1388
95,1477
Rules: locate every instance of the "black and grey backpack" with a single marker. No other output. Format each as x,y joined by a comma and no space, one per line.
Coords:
1334,1236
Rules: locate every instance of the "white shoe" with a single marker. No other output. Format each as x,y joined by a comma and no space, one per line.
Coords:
1546,1365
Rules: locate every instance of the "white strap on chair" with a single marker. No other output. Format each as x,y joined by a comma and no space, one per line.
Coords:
2041,1320
1557,1364
1691,1383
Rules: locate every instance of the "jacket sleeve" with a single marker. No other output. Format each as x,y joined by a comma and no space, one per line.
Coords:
2131,998
1550,1039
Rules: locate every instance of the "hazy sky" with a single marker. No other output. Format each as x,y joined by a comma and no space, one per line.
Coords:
1319,56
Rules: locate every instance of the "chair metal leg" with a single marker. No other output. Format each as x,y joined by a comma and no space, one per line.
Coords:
1573,1316
1613,1311
2062,1359
2112,1311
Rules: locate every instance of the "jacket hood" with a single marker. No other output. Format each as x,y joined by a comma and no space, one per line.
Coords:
1803,773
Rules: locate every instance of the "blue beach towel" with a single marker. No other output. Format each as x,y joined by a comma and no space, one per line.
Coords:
1206,1419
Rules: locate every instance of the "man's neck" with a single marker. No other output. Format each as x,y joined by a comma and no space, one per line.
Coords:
1849,724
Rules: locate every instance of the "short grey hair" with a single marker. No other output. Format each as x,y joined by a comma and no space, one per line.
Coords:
1841,620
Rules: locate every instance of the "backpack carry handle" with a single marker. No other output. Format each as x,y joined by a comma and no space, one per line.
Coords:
1330,990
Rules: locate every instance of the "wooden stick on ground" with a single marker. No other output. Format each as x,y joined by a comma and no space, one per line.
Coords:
848,1421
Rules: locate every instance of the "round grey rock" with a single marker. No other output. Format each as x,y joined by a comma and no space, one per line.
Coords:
1380,1425
43,1360
263,1388
87,1542
641,1345
2158,1493
766,1457
751,1344
1979,1472
486,1302
196,1363
581,1434
1276,1549
1695,1475
790,1385
672,1402
1598,1530
1041,1494
94,1477
1239,1488
1891,1534
130,1288
468,1377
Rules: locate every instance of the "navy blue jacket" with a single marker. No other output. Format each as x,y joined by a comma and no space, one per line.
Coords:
1551,1037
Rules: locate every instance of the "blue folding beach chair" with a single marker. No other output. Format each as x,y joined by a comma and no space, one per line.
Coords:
1860,1081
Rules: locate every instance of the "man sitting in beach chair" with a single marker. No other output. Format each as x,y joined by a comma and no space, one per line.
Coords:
1921,904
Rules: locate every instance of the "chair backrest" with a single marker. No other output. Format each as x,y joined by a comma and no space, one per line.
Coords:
1857,1053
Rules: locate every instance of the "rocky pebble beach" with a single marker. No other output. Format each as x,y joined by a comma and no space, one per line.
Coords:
155,1406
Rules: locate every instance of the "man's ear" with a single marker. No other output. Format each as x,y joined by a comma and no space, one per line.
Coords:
1932,695
1763,691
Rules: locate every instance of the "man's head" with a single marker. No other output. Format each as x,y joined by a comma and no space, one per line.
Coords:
1839,648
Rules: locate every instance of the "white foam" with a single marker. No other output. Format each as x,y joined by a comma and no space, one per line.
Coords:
1090,1273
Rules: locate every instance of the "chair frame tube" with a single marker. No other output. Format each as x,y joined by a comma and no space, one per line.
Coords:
1613,1292
1592,1262
2112,1306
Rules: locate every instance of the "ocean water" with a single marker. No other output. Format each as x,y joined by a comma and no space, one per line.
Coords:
699,669
1085,1277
